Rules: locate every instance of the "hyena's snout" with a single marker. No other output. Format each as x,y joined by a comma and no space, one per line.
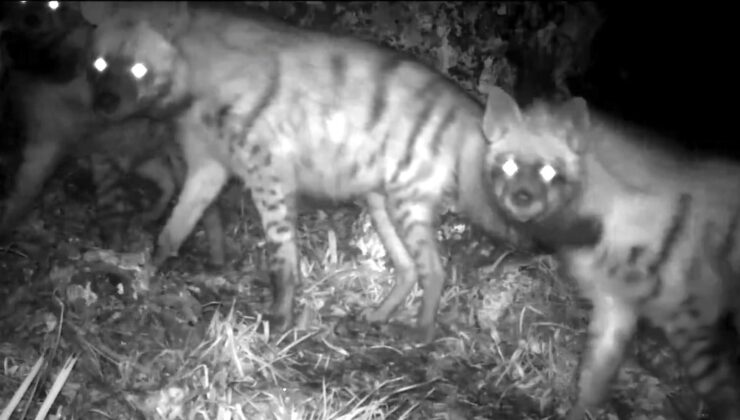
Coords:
524,202
106,101
113,93
522,197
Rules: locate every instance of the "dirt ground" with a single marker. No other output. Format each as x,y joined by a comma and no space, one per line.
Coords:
123,342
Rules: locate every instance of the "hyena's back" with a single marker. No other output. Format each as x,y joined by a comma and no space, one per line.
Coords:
352,117
400,124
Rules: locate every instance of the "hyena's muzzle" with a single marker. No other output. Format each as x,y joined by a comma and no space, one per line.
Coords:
524,195
114,92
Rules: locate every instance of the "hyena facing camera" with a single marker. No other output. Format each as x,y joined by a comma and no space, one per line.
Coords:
647,231
48,92
290,111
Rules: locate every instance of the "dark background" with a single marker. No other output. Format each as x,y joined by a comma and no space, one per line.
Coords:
668,66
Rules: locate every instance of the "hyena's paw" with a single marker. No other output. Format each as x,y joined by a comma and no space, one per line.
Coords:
402,332
214,266
277,323
375,316
424,334
418,334
165,249
216,260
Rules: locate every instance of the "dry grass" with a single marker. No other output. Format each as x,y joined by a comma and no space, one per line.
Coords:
188,345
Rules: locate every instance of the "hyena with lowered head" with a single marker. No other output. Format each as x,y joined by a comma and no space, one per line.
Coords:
48,92
648,231
291,111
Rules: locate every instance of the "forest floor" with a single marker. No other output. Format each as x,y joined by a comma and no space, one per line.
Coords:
100,337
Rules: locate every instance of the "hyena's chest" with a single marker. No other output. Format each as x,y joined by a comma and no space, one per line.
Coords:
655,257
129,143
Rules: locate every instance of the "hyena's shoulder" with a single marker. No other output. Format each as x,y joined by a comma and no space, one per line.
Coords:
649,193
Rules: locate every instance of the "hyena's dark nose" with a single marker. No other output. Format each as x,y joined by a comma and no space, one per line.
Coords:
106,101
522,198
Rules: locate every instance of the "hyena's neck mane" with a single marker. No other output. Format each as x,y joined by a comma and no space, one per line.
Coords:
636,158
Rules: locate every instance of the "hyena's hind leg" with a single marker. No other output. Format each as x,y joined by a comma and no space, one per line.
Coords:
214,227
40,159
709,357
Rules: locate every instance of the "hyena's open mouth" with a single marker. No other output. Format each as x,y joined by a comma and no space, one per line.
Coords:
524,206
106,103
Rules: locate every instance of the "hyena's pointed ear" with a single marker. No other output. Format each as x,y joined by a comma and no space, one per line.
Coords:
501,112
576,115
576,111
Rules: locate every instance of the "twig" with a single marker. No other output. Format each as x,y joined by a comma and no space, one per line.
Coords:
58,383
5,415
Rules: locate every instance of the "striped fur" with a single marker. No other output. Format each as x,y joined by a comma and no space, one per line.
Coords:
291,111
647,232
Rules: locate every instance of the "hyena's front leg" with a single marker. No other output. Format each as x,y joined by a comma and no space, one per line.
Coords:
39,161
707,355
612,326
409,225
214,227
162,174
201,188
273,184
403,264
110,201
212,221
205,178
276,205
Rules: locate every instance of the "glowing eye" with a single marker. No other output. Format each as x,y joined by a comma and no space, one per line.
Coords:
100,64
547,173
510,167
53,5
139,70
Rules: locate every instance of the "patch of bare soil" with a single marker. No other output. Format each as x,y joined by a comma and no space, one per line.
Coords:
94,334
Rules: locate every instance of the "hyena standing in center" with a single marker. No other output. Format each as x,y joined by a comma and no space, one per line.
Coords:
291,111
